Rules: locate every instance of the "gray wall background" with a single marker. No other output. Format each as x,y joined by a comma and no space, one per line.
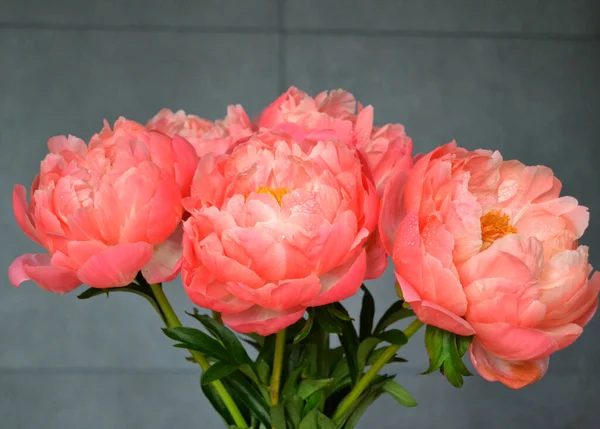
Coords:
521,76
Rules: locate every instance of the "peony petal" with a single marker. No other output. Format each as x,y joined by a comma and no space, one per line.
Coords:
512,342
413,191
116,266
258,250
166,260
23,213
392,210
514,374
564,287
513,257
342,282
433,314
186,162
280,297
223,268
565,335
430,279
211,294
587,316
60,144
262,321
377,259
38,269
79,252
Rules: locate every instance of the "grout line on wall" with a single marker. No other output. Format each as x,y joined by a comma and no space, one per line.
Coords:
432,34
141,28
280,30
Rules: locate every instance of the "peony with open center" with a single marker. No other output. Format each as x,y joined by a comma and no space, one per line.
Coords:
275,229
487,247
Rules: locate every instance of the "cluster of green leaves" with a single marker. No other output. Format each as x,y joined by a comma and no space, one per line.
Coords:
446,351
315,376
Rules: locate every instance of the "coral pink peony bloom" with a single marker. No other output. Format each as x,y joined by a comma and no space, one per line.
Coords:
206,136
488,247
383,148
105,211
275,229
338,114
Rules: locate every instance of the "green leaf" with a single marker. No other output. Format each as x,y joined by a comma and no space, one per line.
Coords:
248,371
296,357
339,312
444,349
434,339
278,417
393,314
463,344
305,329
328,322
141,290
316,420
324,422
268,350
291,384
308,387
293,406
454,368
334,356
263,370
229,340
349,341
245,393
367,314
193,339
311,368
364,351
394,336
340,371
351,417
376,354
217,403
92,292
217,371
339,384
399,393
313,401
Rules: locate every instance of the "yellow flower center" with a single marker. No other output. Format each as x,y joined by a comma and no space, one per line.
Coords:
494,225
278,193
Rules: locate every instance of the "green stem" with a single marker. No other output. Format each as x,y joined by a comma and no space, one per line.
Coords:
172,321
277,366
413,328
366,380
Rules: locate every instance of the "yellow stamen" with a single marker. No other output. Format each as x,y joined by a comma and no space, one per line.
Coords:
277,193
494,225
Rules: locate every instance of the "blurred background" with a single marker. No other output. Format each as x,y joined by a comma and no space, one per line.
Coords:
521,76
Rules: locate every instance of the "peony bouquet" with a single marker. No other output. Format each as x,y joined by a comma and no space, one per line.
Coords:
272,223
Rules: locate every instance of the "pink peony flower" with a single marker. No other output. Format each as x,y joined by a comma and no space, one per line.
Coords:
337,114
206,136
105,211
487,247
275,229
384,148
